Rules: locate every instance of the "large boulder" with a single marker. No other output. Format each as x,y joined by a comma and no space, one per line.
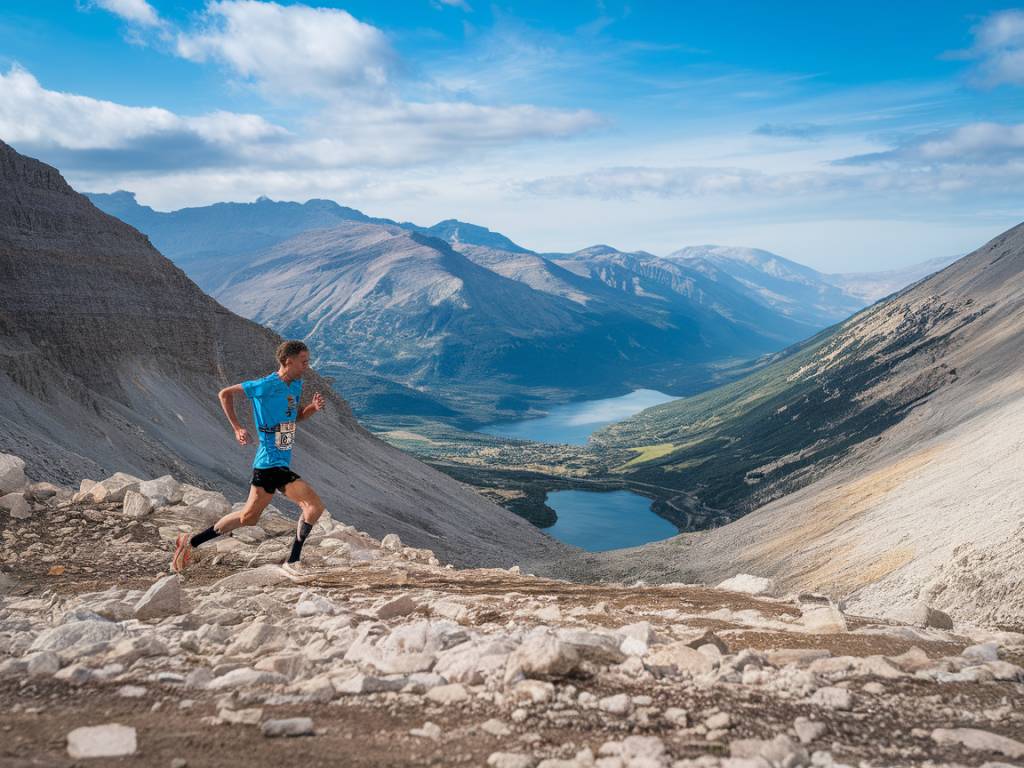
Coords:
136,505
924,615
163,598
113,488
12,473
162,491
76,634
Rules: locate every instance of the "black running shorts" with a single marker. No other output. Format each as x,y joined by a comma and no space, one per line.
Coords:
273,478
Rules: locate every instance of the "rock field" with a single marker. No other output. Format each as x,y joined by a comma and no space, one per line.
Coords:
382,655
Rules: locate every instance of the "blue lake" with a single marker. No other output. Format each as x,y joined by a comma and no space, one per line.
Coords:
573,423
596,521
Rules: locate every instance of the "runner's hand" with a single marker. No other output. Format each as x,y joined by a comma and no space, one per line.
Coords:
242,436
318,402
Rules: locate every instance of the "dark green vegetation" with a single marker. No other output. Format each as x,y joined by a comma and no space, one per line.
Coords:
742,445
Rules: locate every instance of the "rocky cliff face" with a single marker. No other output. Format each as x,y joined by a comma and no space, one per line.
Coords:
111,357
385,656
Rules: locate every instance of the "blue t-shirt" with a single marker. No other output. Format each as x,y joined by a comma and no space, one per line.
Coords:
275,407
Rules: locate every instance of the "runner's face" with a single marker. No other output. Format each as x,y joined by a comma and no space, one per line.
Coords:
297,365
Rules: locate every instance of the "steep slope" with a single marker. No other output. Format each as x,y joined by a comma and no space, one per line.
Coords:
889,448
110,357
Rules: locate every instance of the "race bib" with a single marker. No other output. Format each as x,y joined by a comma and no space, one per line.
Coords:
285,436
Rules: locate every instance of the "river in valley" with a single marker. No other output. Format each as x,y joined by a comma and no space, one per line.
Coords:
573,423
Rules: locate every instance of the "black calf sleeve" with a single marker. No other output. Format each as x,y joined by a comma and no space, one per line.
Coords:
204,536
300,538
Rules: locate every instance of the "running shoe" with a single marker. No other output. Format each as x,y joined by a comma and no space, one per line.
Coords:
182,553
297,571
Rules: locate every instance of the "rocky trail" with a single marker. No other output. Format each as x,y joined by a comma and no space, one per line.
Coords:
386,656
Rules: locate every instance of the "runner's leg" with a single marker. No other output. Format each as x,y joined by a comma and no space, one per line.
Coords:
311,507
247,515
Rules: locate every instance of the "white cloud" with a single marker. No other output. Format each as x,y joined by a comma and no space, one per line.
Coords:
683,181
80,132
291,49
999,49
86,131
982,143
134,11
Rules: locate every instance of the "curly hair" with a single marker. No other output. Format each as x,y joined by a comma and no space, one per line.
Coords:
288,349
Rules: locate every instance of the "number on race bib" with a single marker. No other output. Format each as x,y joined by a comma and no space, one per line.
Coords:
285,436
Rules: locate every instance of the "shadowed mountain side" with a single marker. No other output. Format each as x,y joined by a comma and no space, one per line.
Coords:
110,359
927,504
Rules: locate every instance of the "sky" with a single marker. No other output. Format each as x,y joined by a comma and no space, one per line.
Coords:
848,136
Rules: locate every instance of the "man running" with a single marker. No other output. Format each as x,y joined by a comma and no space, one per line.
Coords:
275,407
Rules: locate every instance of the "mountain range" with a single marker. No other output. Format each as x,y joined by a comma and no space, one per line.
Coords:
460,323
111,359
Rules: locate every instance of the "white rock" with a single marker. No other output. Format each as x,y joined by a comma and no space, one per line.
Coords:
113,488
981,741
292,726
823,619
15,504
250,716
448,694
245,676
131,691
510,760
615,705
358,684
136,505
923,615
258,636
428,730
111,740
12,473
808,730
747,584
43,663
163,598
162,491
542,656
495,727
76,634
391,542
832,697
681,657
314,605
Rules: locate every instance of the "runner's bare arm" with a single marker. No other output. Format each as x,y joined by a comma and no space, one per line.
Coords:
317,404
227,402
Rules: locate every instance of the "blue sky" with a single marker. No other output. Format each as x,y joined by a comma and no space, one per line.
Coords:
847,136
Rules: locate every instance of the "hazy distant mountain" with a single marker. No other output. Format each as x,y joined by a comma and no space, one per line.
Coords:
872,286
651,279
793,290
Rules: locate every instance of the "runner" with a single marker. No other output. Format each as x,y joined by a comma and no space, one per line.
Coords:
275,407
